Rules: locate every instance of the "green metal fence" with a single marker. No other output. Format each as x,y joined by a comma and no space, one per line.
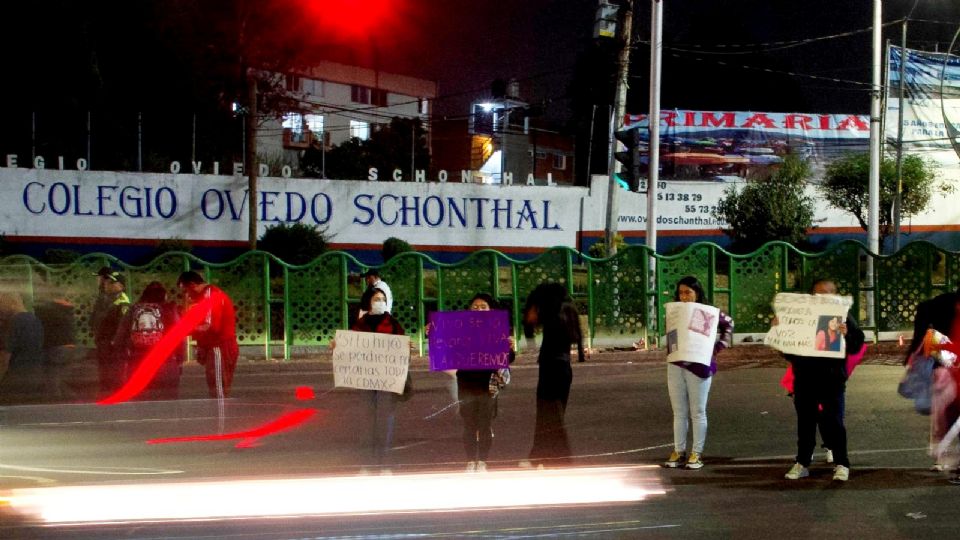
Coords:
281,306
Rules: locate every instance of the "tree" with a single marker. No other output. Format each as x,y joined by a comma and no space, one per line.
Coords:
394,246
388,148
770,208
846,186
294,244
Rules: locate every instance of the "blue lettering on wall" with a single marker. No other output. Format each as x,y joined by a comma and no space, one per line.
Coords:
366,209
205,209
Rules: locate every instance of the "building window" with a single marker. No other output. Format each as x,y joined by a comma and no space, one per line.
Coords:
360,130
314,122
541,154
424,106
293,83
294,122
559,162
360,94
311,87
368,96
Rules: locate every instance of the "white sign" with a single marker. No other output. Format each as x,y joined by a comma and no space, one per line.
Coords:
371,361
691,332
809,324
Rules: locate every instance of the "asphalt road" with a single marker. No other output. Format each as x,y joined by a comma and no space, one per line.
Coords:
619,414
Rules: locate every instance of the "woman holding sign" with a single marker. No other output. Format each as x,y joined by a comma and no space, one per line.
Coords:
688,382
478,390
820,381
382,405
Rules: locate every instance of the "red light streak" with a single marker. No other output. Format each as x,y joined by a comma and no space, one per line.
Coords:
250,437
151,363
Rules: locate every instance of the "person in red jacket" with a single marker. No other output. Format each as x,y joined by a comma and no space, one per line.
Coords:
216,335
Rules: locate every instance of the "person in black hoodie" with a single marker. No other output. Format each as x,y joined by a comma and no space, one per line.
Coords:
550,307
821,381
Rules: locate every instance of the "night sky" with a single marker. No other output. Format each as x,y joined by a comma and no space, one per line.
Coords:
468,44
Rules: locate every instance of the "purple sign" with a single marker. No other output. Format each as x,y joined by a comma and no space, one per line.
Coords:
469,340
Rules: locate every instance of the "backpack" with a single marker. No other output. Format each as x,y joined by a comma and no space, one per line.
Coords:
146,325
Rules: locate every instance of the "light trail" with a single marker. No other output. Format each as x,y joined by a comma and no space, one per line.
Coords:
96,504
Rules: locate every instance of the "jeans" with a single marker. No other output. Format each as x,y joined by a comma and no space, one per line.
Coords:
688,397
381,411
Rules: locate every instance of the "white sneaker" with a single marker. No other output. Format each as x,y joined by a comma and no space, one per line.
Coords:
841,473
386,471
481,466
797,472
829,455
471,466
525,464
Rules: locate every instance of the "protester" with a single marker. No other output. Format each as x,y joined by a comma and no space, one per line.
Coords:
216,335
381,404
57,316
372,278
550,308
141,329
941,314
820,382
478,391
689,385
21,353
111,306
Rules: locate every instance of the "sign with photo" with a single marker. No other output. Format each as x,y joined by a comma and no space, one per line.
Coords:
809,324
691,331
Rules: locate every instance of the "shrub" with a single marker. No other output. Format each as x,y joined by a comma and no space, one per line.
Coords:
393,247
296,244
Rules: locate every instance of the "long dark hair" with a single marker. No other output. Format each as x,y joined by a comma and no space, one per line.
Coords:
554,308
695,285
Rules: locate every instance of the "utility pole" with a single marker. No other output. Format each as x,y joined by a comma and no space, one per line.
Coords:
251,157
653,152
873,192
898,199
624,34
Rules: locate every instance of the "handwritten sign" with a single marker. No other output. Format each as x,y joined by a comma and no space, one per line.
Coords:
371,361
809,324
474,340
691,332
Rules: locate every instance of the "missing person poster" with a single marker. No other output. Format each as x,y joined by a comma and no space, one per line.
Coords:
809,324
691,331
476,340
371,361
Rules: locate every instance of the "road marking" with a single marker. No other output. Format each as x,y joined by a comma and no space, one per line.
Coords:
115,471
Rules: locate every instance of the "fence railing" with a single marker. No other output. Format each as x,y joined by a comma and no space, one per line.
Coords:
282,306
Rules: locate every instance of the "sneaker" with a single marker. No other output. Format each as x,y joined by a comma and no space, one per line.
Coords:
481,466
841,473
829,455
694,462
955,479
938,467
674,460
797,472
471,466
386,471
525,464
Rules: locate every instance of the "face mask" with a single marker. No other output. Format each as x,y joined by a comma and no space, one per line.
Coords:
378,308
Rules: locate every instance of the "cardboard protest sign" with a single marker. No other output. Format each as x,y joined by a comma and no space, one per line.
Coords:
371,361
691,331
809,324
469,340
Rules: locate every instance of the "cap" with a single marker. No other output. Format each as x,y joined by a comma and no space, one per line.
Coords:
104,271
116,277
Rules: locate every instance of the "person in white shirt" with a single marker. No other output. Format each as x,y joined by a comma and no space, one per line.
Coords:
372,277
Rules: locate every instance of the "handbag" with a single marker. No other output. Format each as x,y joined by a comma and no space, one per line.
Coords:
917,382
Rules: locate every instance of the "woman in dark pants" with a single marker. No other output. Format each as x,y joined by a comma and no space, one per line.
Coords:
550,308
478,401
